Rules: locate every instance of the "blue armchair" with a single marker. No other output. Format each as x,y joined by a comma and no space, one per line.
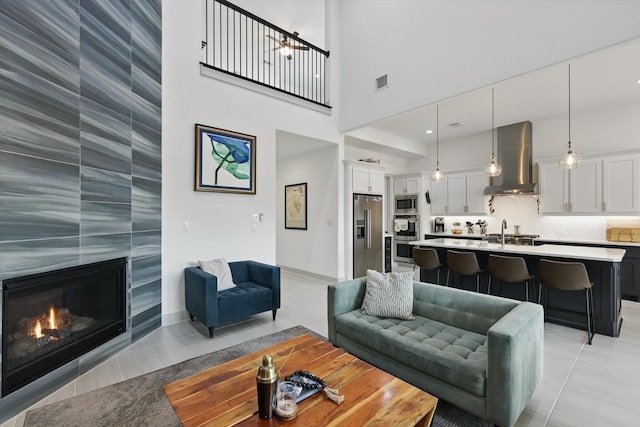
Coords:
257,289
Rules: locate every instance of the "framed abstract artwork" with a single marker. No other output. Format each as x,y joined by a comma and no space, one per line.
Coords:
225,161
295,206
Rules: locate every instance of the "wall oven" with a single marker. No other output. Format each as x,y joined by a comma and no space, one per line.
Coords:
406,204
406,229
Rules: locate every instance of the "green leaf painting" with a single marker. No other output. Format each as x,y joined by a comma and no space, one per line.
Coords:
232,155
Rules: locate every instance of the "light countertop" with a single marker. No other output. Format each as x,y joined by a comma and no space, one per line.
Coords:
594,242
559,251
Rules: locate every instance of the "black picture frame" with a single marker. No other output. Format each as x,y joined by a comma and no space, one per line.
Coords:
295,206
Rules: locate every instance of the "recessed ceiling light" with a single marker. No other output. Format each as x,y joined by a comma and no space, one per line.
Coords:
638,81
429,132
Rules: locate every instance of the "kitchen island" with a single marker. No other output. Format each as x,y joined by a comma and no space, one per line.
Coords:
561,307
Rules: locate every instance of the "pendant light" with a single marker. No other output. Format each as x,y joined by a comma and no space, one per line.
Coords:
570,160
437,175
493,168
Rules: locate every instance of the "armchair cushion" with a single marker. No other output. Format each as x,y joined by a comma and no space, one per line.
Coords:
219,268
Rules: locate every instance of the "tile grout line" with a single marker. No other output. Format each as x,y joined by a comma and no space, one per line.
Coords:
566,380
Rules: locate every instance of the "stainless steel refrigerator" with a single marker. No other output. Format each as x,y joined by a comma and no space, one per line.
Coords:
367,234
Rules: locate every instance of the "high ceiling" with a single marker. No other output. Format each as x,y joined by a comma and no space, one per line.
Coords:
599,80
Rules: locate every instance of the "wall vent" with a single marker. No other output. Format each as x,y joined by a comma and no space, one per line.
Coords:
381,83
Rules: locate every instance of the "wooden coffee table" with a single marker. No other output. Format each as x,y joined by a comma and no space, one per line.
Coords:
226,395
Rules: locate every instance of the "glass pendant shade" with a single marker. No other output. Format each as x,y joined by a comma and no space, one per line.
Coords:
570,159
493,168
437,175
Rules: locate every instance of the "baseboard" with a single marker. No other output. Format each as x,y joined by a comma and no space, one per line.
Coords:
176,317
310,274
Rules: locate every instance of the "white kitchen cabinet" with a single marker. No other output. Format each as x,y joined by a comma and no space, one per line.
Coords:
407,184
554,188
438,195
476,183
585,187
456,193
465,193
367,179
606,185
620,184
459,193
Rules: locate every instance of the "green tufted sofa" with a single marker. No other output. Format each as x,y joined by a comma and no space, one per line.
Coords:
480,352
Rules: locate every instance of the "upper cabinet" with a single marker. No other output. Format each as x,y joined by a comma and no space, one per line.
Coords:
620,184
598,186
365,178
407,184
461,193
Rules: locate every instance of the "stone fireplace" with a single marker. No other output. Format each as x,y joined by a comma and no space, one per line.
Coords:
50,319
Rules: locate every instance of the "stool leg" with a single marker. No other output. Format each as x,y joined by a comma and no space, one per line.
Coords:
526,284
448,274
489,286
589,314
478,282
438,276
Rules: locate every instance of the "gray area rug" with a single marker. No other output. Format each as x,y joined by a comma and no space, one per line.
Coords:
140,401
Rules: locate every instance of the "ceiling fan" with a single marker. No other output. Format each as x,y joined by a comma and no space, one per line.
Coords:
285,47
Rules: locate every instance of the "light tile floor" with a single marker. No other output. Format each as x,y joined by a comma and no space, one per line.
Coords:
582,385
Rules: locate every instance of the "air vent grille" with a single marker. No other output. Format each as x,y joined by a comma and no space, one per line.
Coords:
381,82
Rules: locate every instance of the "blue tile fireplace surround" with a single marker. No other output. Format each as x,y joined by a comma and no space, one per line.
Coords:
80,155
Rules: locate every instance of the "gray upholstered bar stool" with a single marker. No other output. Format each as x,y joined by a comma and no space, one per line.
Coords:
428,259
465,264
569,276
509,269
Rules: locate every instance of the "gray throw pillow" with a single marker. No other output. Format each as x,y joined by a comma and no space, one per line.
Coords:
389,295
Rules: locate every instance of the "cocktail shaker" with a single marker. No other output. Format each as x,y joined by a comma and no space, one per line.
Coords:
267,383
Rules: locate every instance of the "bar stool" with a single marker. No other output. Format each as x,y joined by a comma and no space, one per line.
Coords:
428,259
465,264
569,276
509,269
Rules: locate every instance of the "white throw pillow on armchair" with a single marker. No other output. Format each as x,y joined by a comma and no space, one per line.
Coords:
219,268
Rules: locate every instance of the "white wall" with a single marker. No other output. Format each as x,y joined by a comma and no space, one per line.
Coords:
314,250
220,223
458,46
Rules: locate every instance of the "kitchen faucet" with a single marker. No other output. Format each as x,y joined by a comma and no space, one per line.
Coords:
503,227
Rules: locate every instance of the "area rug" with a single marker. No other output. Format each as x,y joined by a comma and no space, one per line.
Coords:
140,401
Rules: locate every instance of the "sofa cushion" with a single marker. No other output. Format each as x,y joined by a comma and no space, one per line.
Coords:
219,268
454,355
389,295
244,294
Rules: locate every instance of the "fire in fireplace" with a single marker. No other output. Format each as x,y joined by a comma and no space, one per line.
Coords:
49,319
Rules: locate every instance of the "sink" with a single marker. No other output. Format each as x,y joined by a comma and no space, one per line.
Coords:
511,239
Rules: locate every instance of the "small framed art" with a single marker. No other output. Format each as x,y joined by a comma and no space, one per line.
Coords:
225,161
295,206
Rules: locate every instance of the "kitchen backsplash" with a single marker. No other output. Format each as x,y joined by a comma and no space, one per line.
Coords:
523,211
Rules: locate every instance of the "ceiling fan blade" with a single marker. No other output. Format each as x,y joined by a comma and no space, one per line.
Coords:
276,48
300,47
272,38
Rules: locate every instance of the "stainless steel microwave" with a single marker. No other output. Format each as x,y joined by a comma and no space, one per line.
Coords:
406,204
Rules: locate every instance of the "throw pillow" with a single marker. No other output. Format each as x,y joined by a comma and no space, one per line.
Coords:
389,295
219,268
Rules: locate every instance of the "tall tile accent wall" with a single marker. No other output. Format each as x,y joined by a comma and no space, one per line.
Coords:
80,141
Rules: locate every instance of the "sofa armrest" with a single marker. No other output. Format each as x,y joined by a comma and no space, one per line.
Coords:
514,362
201,295
341,298
268,276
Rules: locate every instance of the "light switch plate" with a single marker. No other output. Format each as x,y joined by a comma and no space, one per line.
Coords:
255,218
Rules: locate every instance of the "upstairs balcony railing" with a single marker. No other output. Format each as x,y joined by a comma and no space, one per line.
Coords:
244,45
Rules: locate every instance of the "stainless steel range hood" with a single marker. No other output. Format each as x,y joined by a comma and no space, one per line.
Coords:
515,155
